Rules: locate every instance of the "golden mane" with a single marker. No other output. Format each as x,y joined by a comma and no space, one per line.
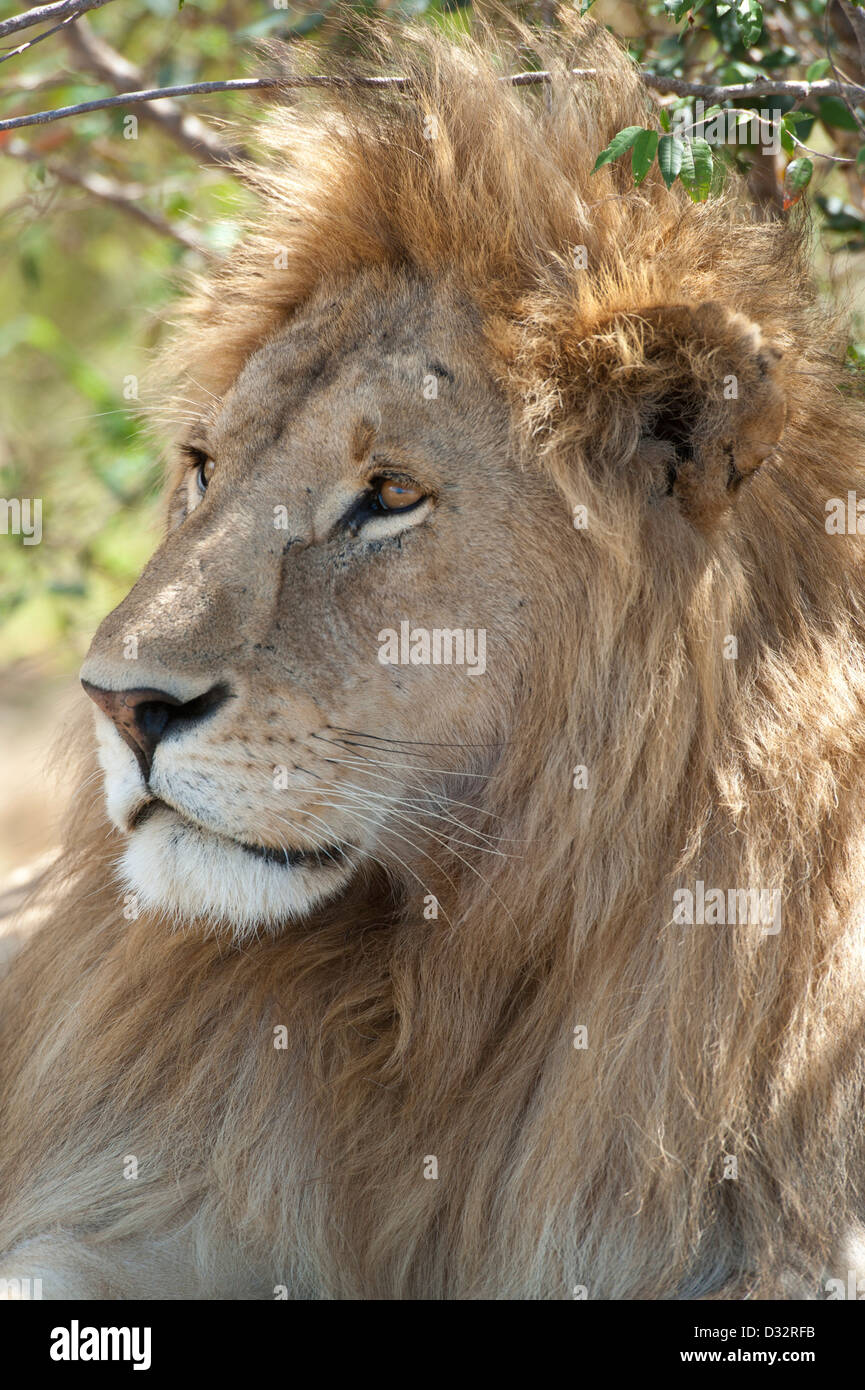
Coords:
600,1167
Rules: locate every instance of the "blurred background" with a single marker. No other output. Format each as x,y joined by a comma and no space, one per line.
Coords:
101,222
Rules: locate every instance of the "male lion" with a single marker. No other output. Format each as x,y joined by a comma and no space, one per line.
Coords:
377,975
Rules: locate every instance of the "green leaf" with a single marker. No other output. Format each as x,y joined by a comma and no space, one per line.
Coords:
796,180
860,163
798,174
749,17
740,72
696,171
817,70
670,154
643,154
834,113
618,145
788,123
782,57
664,117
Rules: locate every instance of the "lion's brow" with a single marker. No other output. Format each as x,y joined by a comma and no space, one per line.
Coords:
362,438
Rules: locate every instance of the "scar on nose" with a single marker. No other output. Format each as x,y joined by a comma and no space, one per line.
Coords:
362,438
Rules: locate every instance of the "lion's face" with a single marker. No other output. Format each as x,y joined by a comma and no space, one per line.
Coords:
329,633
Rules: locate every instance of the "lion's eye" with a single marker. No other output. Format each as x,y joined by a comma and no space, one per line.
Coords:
201,467
397,497
204,473
386,497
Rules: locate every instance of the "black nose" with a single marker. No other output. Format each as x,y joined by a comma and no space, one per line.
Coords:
142,717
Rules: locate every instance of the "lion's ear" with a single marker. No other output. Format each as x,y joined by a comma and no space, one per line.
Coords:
712,404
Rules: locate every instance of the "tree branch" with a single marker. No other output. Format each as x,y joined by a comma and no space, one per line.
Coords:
126,197
764,87
43,13
46,34
25,83
99,58
856,20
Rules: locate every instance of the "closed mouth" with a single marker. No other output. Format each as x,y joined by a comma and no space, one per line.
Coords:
325,858
328,856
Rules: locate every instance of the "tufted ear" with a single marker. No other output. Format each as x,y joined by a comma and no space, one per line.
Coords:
712,406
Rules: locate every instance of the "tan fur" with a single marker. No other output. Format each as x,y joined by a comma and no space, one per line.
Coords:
379,253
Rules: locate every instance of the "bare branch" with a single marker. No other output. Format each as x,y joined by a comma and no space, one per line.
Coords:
764,87
46,34
835,73
856,20
24,83
126,197
43,14
240,84
818,154
99,58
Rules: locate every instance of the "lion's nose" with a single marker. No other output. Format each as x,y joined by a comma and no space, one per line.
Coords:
143,716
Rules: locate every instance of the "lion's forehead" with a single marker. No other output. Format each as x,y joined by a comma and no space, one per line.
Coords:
368,352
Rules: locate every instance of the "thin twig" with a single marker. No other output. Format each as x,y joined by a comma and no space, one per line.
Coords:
856,20
126,197
42,14
46,34
835,73
818,154
92,53
665,85
240,84
26,83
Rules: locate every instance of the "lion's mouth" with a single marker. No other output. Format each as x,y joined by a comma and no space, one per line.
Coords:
324,858
328,856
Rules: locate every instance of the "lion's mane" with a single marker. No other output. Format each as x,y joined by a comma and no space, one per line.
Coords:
558,1166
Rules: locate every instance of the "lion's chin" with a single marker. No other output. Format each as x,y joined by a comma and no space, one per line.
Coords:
187,873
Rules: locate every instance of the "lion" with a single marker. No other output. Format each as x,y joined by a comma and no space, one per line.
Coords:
470,901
